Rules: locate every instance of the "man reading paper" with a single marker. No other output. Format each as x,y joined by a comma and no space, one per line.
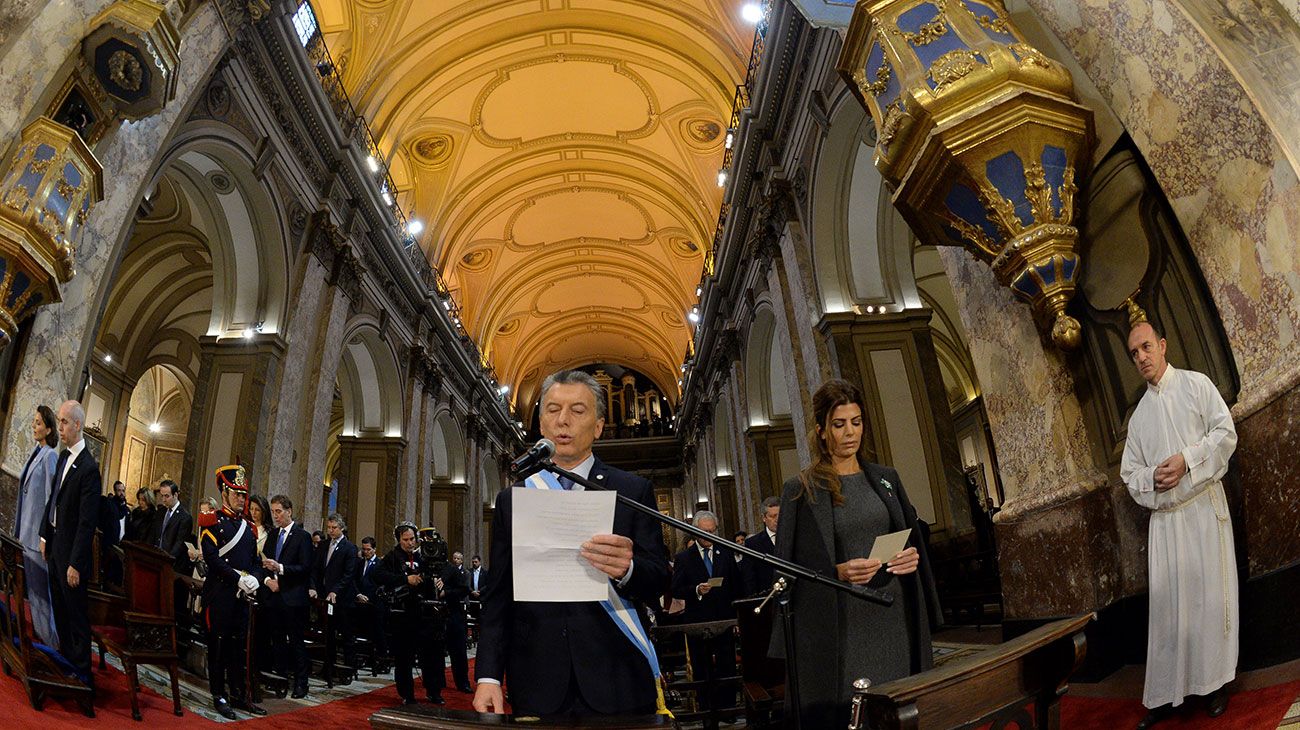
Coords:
574,658
1179,441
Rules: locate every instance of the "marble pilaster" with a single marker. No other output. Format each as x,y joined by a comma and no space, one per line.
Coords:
63,334
796,380
318,390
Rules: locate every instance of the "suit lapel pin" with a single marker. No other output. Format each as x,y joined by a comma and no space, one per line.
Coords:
600,476
888,487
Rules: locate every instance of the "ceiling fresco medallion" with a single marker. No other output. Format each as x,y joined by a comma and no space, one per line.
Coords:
432,151
703,134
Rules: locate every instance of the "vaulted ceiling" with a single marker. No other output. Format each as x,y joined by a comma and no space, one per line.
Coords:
563,155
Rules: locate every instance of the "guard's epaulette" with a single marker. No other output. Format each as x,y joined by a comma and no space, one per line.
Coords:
207,532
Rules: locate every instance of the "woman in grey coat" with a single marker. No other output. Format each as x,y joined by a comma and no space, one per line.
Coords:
33,492
831,515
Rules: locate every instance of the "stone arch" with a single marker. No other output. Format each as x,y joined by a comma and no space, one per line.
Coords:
448,450
370,383
765,368
861,244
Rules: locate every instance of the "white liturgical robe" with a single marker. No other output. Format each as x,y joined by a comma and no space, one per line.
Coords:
1193,626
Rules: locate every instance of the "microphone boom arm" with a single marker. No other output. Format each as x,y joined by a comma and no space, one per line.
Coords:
785,567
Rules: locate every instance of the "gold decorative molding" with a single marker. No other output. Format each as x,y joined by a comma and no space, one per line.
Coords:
981,137
133,51
45,198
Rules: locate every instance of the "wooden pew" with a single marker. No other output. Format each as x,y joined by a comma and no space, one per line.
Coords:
762,677
42,670
140,627
1020,682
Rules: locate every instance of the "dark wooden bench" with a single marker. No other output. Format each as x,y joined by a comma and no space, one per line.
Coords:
1019,683
762,677
43,671
140,626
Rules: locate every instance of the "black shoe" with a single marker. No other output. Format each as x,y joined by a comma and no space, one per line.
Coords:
408,702
1218,703
436,699
250,708
299,693
1154,716
223,709
466,689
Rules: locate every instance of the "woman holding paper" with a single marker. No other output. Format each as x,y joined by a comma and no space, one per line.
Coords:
831,515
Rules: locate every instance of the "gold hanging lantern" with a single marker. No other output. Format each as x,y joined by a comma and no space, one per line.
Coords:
980,138
52,182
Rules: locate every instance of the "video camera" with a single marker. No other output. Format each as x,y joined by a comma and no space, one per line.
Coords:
431,563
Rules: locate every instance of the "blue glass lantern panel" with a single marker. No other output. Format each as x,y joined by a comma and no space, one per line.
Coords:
31,179
19,286
965,204
1047,272
1054,164
1068,265
4,268
1007,173
1026,285
875,59
982,11
35,301
913,20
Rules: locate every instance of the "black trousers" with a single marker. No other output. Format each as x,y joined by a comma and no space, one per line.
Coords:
71,617
457,651
288,643
414,640
368,620
227,650
714,658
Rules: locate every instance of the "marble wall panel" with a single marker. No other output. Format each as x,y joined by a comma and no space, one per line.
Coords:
1034,415
1270,478
1223,169
298,380
785,336
311,469
62,334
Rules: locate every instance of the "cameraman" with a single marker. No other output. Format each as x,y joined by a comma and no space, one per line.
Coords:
416,623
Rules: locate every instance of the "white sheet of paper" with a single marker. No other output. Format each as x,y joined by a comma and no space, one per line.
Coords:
549,527
887,546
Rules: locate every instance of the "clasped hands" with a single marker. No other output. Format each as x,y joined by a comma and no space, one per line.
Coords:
860,571
1170,472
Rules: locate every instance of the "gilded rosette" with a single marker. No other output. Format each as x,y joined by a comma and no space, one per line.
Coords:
52,182
980,138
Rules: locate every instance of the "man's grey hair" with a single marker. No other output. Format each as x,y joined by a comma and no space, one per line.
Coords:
703,515
76,413
337,519
768,504
577,377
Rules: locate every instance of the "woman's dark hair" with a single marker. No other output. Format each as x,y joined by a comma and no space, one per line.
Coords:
47,415
820,474
262,504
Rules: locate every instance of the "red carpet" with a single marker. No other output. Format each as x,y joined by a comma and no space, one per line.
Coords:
113,708
1261,709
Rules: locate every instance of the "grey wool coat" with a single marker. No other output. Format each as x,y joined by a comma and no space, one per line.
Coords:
805,536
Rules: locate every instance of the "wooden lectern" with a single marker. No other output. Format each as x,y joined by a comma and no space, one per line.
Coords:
428,717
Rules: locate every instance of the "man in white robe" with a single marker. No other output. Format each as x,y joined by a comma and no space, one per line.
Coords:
1179,441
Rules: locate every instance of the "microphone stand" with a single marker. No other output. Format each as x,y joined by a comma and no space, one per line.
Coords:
781,589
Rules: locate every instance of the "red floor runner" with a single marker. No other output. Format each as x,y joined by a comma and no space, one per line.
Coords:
113,708
1261,709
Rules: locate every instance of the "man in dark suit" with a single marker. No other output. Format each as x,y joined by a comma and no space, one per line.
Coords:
334,579
286,556
173,525
67,536
571,658
369,613
708,579
112,530
456,582
759,575
477,577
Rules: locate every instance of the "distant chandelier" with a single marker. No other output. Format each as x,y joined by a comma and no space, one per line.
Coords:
979,137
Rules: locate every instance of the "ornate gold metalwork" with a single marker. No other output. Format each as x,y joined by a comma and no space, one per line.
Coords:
990,166
877,87
1136,314
125,70
152,44
49,189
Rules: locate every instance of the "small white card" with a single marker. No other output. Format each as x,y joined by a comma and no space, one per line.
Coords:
716,582
887,546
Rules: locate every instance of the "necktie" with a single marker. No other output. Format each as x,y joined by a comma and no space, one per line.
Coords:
279,542
166,517
56,484
329,554
708,561
566,482
367,568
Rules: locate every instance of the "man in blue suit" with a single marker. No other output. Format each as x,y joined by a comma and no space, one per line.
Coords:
287,557
571,658
758,575
707,577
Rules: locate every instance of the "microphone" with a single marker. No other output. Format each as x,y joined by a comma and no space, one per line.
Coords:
540,451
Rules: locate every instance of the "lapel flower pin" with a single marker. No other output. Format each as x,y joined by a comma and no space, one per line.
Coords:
888,487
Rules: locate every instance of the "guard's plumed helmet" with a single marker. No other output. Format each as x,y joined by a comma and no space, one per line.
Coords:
232,477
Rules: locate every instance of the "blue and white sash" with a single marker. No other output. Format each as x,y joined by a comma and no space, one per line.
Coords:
619,610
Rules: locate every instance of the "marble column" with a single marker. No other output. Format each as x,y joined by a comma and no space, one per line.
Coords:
63,334
1058,502
229,422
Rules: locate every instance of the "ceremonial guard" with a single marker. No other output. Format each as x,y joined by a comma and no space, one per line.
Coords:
229,542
